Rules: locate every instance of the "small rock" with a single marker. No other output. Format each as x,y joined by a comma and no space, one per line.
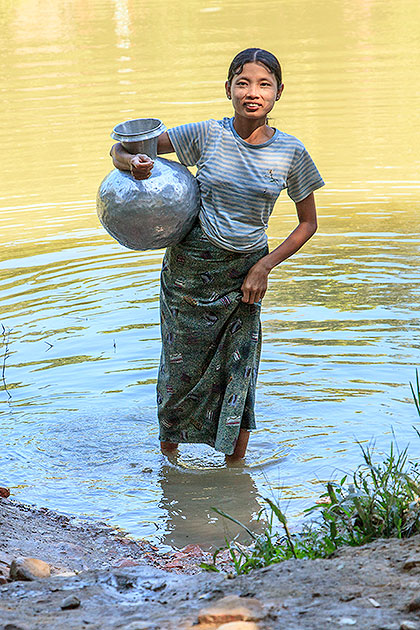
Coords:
70,602
411,563
4,570
193,550
408,625
5,558
238,625
29,569
374,603
232,608
347,621
3,579
124,562
4,493
414,604
147,470
14,626
159,586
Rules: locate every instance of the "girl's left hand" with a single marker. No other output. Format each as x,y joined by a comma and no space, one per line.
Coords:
255,284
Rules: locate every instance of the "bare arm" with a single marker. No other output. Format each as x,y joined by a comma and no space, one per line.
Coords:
255,283
139,164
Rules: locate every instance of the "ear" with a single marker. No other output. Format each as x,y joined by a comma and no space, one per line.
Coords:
279,91
228,90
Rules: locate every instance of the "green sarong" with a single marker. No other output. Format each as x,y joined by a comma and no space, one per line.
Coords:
211,344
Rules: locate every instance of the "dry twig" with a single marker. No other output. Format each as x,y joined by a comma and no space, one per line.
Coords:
6,334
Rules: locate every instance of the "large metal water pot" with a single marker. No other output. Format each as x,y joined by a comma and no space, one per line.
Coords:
154,212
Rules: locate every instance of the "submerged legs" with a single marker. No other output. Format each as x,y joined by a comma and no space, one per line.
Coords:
240,448
168,448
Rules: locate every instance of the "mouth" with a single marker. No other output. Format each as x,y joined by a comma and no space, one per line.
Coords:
252,107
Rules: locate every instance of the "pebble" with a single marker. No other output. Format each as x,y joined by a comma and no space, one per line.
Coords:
29,569
408,625
205,596
347,621
14,626
193,550
4,493
5,558
411,563
125,562
155,586
232,608
414,604
70,602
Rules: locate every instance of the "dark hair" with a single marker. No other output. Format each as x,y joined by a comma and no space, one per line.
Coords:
252,55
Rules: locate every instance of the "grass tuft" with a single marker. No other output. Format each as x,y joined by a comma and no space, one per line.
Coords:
380,500
416,392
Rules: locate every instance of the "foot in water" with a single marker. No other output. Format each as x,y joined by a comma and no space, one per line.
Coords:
170,449
240,448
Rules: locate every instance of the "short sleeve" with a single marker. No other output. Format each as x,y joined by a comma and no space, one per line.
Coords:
303,177
189,141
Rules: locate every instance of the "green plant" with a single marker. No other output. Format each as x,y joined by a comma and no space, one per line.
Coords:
266,548
416,394
382,500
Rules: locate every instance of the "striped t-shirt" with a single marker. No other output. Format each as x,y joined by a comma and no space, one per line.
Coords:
240,182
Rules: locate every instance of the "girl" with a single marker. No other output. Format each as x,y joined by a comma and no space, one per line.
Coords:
213,282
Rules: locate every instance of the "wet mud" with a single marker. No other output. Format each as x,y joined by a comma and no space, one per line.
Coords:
103,580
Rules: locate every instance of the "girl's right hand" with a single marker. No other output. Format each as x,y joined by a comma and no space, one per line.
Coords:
141,166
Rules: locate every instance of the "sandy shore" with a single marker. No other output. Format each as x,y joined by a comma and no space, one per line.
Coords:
123,583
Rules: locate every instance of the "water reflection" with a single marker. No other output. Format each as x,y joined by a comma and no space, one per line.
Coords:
189,495
122,23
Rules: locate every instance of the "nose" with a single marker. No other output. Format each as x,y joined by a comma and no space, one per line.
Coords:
253,91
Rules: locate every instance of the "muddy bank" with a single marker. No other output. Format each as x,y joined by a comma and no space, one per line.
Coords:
115,582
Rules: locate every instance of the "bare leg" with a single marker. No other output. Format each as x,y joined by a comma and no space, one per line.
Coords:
240,448
168,448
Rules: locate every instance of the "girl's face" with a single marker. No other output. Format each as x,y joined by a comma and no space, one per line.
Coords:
254,91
